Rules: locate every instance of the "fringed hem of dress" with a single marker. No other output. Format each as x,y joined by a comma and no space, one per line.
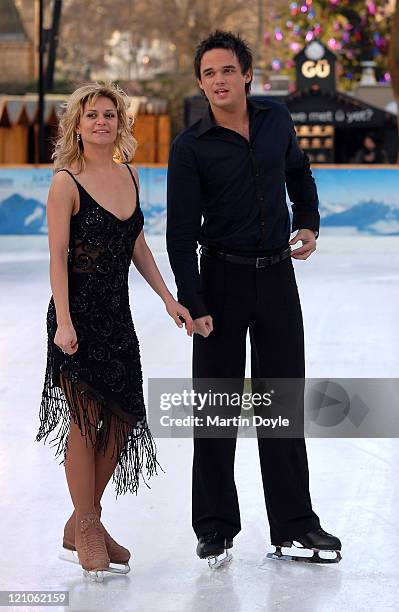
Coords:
133,443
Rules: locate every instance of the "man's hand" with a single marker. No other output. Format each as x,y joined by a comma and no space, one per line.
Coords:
203,326
308,239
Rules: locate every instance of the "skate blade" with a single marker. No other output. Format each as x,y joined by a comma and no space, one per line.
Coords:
94,575
314,558
114,568
216,561
119,568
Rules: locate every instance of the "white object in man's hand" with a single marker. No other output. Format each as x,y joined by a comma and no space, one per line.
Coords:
308,239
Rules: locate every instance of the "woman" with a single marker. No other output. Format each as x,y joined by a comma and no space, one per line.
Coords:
93,391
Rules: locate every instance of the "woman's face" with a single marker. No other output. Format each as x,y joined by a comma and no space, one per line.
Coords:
99,122
369,143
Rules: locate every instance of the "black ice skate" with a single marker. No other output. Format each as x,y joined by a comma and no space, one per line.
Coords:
317,540
214,547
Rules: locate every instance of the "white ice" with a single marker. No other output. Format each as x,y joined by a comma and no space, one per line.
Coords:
349,293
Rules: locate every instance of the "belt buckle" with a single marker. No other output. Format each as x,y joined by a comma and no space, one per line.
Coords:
257,262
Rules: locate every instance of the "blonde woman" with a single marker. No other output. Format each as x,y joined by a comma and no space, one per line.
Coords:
93,394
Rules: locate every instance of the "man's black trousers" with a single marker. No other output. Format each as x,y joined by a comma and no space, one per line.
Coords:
265,301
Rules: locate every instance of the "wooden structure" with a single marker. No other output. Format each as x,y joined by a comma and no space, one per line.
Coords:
18,127
151,129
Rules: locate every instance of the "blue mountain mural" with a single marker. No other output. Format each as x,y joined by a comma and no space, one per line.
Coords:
19,215
367,216
365,200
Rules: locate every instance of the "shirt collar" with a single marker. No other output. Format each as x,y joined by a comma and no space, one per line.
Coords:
208,121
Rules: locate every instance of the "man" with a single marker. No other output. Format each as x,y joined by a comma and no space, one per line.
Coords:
231,168
370,152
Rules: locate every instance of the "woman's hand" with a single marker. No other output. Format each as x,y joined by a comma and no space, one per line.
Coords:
179,312
65,338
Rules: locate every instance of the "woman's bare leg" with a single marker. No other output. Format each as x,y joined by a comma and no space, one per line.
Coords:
98,469
80,471
105,465
80,455
86,532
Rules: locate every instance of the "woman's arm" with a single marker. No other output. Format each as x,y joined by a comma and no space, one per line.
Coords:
144,262
60,204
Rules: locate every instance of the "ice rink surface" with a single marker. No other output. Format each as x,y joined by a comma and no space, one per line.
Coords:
350,295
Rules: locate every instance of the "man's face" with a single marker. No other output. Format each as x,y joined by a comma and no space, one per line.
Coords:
221,78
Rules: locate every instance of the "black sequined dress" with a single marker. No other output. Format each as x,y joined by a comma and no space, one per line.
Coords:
100,386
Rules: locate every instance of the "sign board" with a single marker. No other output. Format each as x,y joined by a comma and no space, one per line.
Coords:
365,117
315,66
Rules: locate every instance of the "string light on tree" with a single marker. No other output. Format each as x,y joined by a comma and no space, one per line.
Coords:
356,30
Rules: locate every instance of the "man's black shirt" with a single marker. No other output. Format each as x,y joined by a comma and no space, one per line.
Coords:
238,188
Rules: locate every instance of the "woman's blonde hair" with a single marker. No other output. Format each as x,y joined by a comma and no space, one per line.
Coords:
68,149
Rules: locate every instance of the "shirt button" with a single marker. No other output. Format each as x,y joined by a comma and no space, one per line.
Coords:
262,223
261,198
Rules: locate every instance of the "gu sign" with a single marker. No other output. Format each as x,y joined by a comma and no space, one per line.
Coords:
315,65
311,69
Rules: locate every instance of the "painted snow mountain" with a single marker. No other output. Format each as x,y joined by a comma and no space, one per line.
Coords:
155,217
20,215
368,216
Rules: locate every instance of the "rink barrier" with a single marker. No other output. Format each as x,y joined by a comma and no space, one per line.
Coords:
353,199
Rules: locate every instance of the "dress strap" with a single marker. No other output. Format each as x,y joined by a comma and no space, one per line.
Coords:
134,181
128,167
70,174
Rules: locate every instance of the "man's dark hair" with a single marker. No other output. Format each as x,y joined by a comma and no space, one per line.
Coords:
225,40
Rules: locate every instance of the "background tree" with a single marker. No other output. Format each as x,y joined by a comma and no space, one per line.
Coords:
394,56
86,28
356,30
186,22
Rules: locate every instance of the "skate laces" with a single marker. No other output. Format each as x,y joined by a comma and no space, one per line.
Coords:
93,537
108,538
112,545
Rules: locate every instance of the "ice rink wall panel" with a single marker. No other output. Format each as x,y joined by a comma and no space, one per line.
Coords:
353,200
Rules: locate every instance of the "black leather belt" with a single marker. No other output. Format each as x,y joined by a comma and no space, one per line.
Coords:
258,262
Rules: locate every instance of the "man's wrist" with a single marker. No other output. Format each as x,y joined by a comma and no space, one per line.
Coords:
316,232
